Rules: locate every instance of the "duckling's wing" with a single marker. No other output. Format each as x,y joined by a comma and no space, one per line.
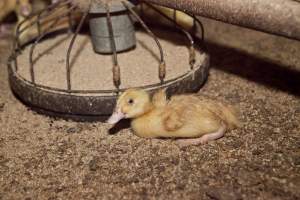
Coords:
172,120
159,98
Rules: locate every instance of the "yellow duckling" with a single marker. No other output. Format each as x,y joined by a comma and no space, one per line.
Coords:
196,119
46,22
22,9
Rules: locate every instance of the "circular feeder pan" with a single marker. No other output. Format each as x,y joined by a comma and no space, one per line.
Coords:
93,93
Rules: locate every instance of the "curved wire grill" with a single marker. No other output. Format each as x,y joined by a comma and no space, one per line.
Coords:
41,18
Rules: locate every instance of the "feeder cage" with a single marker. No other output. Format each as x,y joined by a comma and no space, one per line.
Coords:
73,61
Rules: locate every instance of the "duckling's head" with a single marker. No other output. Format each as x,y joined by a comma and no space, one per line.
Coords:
131,104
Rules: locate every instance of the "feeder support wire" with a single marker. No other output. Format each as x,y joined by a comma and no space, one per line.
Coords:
192,56
41,36
68,67
162,65
116,67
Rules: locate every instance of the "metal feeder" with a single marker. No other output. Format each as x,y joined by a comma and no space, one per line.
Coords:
107,38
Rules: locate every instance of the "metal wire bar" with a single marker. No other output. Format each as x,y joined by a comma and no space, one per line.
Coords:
192,57
197,21
70,17
174,16
16,60
194,25
38,23
38,40
116,67
162,65
68,67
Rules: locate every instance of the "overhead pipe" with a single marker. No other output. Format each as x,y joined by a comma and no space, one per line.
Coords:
279,17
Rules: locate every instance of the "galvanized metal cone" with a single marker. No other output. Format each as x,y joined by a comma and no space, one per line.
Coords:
123,28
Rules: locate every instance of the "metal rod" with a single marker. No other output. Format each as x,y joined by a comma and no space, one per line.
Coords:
70,17
68,67
38,23
162,65
197,21
174,15
16,61
116,67
16,43
279,17
48,10
37,41
194,25
192,57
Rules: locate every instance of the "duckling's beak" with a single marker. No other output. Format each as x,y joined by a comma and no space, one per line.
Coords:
115,117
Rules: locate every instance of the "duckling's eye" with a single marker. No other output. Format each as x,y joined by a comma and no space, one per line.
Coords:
130,101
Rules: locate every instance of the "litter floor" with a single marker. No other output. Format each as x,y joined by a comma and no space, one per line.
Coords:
47,158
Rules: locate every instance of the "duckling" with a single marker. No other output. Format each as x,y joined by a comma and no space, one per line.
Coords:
191,119
46,22
22,8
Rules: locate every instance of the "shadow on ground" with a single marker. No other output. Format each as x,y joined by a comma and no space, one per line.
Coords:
254,69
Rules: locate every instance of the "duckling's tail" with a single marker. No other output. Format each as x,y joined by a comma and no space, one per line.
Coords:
231,117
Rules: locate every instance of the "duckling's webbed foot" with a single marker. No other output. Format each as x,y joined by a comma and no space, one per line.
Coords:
204,139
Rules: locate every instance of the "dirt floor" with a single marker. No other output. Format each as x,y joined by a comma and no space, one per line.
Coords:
46,158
